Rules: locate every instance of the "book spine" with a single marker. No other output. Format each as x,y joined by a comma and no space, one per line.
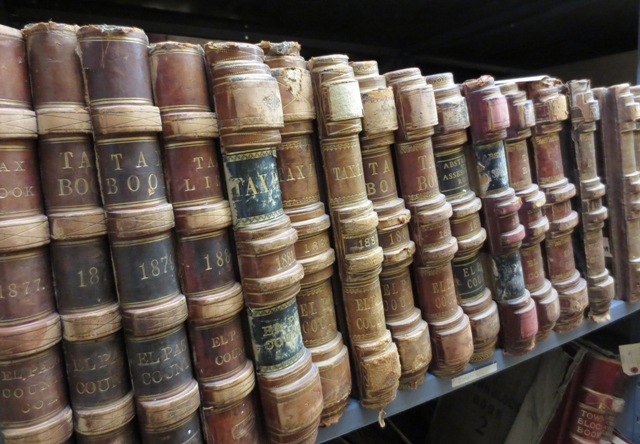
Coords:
125,122
551,109
451,337
532,217
301,202
599,399
585,111
489,117
408,330
30,329
204,254
96,363
249,110
453,179
619,116
339,107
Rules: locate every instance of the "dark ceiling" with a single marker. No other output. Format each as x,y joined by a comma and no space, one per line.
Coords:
509,37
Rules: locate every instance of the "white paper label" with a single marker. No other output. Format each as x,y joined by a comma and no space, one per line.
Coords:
344,101
630,358
474,375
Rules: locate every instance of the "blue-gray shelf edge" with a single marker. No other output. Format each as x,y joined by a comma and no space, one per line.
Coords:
356,417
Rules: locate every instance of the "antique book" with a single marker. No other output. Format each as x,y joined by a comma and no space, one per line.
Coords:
248,105
489,117
453,181
139,220
35,403
551,109
301,202
585,111
204,254
408,330
99,387
619,116
339,107
450,329
531,213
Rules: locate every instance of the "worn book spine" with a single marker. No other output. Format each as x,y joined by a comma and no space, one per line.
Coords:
450,329
531,213
249,110
404,320
585,111
597,402
301,202
34,402
125,122
339,108
489,117
551,109
99,387
453,180
204,254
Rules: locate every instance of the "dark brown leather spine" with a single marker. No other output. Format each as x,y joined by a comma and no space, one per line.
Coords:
34,403
408,330
551,109
125,122
205,262
450,329
96,363
339,109
249,110
301,202
585,111
619,120
531,213
489,117
453,179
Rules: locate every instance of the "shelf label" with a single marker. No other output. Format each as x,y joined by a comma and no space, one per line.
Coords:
474,375
630,359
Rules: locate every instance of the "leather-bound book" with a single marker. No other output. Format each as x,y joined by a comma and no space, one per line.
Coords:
34,402
619,120
139,220
450,329
204,254
301,202
248,105
551,109
585,111
99,385
531,213
453,180
408,330
597,401
489,117
359,255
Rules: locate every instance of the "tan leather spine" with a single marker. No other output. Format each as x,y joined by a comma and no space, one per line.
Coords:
585,111
301,202
409,331
339,108
450,329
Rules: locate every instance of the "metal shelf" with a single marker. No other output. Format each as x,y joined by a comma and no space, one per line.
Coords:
356,417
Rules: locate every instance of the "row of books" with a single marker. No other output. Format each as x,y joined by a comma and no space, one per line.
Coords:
189,305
